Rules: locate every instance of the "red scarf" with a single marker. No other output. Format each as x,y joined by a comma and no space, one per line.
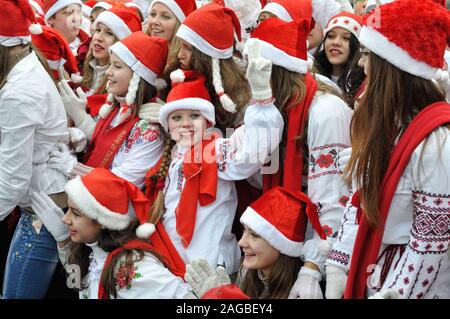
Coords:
200,187
293,163
157,245
368,239
106,141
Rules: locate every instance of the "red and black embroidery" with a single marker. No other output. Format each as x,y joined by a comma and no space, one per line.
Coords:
323,160
339,257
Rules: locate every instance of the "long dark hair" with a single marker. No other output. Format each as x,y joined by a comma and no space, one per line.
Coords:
109,240
391,100
353,75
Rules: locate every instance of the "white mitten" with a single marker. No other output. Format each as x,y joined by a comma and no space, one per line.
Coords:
386,294
77,139
62,159
336,280
80,170
50,215
258,71
201,277
150,112
343,158
307,285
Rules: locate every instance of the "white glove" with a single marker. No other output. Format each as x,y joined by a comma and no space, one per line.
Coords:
77,139
201,277
50,215
258,71
343,158
336,280
307,285
80,170
62,159
386,294
442,78
150,112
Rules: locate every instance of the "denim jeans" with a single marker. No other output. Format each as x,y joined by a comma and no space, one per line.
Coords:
32,260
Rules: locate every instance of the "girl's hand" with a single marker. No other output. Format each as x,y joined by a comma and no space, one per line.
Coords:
259,71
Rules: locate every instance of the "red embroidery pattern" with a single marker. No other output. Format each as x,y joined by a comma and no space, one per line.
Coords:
323,160
141,132
339,257
125,275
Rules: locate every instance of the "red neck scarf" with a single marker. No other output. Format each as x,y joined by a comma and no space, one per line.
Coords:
368,239
200,187
293,163
106,141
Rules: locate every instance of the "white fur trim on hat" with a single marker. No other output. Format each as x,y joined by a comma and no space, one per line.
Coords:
273,236
129,59
173,6
102,4
381,46
278,10
281,58
60,4
88,205
205,107
36,6
340,23
144,231
194,39
115,23
13,41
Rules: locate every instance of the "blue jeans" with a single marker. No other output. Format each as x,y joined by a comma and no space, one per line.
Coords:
32,260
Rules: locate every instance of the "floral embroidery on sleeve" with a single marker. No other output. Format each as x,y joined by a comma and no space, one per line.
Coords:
142,132
323,160
125,275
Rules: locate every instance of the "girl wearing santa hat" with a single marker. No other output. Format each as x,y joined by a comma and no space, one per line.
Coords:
322,121
197,201
127,139
206,53
105,251
164,19
32,122
339,54
110,26
395,236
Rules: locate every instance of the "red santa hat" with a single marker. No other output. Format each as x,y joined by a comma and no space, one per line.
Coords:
106,198
289,10
180,8
229,291
121,21
18,22
55,48
146,56
137,9
410,34
283,43
37,6
188,93
346,20
102,4
201,29
280,217
53,6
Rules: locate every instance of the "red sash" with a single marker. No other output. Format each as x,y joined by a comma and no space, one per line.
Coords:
106,141
200,187
293,163
368,239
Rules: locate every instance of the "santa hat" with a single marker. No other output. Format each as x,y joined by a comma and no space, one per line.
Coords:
201,29
55,48
246,11
289,10
346,20
122,22
180,8
280,216
53,6
229,291
105,197
372,4
18,22
37,6
137,9
283,43
146,56
410,34
188,93
102,4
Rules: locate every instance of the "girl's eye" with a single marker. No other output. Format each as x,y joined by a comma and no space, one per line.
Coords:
152,14
195,115
110,33
176,118
254,235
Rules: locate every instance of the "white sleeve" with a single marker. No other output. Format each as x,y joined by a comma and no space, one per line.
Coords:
141,150
250,146
328,133
19,117
425,255
323,10
341,252
148,279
